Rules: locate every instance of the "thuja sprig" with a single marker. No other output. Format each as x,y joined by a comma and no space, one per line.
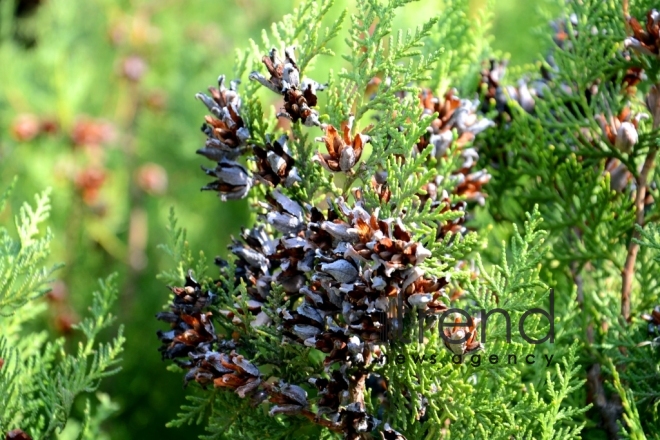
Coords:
180,253
351,216
462,35
24,274
579,141
39,380
83,372
306,20
372,55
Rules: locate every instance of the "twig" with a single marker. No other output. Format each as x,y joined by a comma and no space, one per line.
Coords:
610,410
322,422
629,268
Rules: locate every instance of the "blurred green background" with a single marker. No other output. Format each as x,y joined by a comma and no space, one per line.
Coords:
97,101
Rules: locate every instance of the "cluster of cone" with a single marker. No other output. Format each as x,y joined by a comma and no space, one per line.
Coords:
618,131
344,268
227,140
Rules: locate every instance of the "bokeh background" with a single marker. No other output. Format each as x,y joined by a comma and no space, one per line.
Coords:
97,102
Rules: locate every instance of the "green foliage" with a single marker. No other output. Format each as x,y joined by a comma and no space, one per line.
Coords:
39,381
560,157
373,51
179,250
464,40
24,274
489,401
555,158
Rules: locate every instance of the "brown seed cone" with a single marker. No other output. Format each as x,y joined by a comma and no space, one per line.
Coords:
470,345
275,164
191,328
453,113
645,39
620,131
225,130
333,392
343,152
297,108
390,434
299,97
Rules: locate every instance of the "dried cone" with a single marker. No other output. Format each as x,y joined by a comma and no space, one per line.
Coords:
363,264
299,97
460,116
453,113
237,373
470,186
283,74
464,339
233,180
333,392
191,327
253,263
621,131
288,399
298,103
356,421
343,152
283,214
654,321
645,40
498,96
225,130
275,164
390,434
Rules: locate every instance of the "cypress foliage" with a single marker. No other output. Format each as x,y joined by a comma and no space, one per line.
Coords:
328,318
39,379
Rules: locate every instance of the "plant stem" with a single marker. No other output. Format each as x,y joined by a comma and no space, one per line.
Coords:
629,268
